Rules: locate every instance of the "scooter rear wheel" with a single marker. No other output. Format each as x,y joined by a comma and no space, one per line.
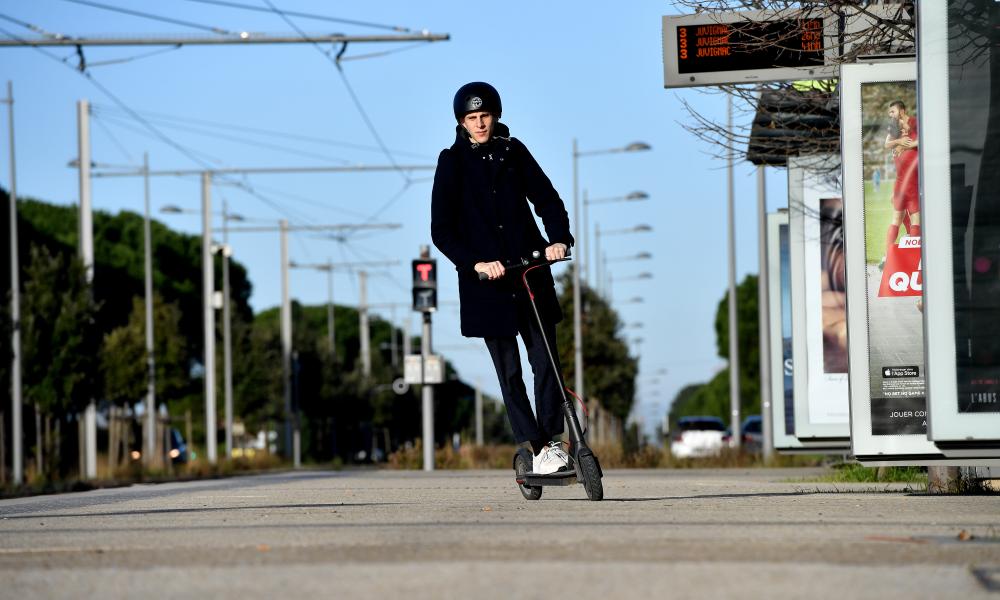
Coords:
522,466
591,477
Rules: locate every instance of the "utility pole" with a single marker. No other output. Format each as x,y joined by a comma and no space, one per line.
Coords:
329,311
150,429
242,38
227,342
763,317
407,340
393,345
577,297
329,267
734,349
479,414
86,248
286,349
16,425
208,314
363,332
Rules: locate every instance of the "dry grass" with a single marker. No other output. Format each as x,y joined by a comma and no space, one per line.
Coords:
135,473
612,456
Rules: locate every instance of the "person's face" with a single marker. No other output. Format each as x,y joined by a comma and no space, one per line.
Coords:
894,112
479,125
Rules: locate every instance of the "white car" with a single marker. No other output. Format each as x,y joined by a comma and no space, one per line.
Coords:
698,437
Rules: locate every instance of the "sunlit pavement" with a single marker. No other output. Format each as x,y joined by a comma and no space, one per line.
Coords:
372,534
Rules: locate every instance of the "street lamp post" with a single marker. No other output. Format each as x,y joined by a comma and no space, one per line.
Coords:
587,202
227,343
601,273
577,300
150,433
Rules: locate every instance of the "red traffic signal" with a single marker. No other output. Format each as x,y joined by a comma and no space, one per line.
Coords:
424,285
425,273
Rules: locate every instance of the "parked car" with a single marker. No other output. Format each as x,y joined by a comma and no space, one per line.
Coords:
751,433
698,437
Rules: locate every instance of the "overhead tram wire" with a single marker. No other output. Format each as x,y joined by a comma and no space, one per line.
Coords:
150,16
135,57
33,28
160,117
150,129
156,133
309,201
193,156
350,90
382,53
303,15
249,142
149,126
114,139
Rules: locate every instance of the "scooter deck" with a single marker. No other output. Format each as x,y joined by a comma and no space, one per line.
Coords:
557,478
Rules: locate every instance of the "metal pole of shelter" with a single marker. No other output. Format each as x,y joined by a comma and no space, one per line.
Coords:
208,314
734,349
86,243
150,428
763,317
16,400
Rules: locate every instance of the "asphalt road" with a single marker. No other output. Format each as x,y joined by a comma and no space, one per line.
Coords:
375,534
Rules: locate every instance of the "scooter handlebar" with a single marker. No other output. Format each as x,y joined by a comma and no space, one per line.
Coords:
537,258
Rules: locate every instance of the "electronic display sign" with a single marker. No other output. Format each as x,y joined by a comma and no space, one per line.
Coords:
739,46
745,47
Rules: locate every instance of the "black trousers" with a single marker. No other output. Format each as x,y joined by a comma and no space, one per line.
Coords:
507,360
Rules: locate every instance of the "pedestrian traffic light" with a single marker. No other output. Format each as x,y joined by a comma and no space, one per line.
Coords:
425,285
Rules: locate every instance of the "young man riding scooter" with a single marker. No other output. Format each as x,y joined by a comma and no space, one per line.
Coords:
485,187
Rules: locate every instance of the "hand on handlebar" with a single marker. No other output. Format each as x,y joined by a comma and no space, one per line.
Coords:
492,270
556,251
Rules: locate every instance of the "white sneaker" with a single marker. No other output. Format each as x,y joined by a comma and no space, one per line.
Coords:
550,460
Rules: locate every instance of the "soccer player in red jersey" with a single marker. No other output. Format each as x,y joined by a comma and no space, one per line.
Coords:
906,191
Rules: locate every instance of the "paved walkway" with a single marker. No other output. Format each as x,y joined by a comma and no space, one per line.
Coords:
372,534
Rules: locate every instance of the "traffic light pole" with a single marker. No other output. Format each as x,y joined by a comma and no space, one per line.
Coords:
424,271
427,396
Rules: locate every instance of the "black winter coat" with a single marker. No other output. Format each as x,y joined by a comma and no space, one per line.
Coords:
480,213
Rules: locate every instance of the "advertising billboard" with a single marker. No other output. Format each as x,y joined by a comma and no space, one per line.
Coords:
959,49
780,310
880,135
819,315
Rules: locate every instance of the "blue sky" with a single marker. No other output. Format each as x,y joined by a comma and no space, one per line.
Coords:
566,70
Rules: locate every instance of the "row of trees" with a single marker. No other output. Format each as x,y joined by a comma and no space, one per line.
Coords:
712,397
83,342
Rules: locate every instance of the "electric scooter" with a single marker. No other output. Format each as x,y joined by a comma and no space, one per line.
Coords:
584,467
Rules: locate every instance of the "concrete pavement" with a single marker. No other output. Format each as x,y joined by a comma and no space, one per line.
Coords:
369,534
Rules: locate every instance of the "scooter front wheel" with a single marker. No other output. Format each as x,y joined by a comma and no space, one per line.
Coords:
522,465
591,473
